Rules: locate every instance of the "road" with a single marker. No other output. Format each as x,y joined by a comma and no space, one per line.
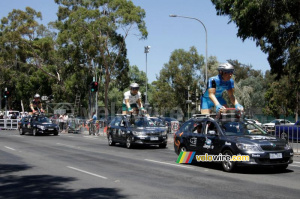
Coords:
82,166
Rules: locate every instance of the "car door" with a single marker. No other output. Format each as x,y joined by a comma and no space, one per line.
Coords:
115,128
209,142
24,124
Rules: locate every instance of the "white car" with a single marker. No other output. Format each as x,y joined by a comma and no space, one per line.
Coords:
271,125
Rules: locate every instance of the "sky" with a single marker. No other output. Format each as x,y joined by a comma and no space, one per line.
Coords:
166,34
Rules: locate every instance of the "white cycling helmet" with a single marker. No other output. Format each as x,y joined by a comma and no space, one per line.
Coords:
36,96
227,67
134,85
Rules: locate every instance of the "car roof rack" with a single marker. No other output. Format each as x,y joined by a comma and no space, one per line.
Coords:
198,116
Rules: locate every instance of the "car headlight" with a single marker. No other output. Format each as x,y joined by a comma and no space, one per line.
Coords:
288,146
164,133
248,147
40,127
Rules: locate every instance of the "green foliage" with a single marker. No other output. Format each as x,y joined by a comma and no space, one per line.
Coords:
274,26
175,77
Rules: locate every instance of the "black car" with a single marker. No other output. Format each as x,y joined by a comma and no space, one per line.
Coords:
232,136
131,131
172,124
37,124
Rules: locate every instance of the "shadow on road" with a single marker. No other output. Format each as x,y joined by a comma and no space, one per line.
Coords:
243,170
45,186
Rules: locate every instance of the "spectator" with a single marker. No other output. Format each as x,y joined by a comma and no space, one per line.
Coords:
65,120
61,123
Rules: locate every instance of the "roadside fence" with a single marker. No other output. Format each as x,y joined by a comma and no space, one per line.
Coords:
9,124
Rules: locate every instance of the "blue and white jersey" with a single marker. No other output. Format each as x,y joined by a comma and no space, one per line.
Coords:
220,85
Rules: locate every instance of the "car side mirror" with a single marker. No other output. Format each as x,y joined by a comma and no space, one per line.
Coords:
212,133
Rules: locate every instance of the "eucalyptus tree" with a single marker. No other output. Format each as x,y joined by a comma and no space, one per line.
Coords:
274,26
93,33
26,48
181,71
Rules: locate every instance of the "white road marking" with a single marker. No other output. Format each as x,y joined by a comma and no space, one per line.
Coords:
93,174
294,165
9,148
177,165
296,162
68,145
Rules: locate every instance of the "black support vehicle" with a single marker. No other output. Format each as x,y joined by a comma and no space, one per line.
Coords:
229,134
37,124
138,130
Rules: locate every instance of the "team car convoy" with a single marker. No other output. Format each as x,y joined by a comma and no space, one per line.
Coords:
37,124
136,130
228,134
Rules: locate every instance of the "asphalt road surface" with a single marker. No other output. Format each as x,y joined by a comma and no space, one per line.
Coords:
76,166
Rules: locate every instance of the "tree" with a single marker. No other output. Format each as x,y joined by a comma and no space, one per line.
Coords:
93,29
24,45
174,78
274,25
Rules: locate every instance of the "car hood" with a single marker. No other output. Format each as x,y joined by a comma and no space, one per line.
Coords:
147,129
46,124
257,139
269,124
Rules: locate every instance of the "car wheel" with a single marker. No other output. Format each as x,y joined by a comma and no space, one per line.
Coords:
228,166
128,142
34,132
182,149
56,133
21,131
110,141
284,136
163,145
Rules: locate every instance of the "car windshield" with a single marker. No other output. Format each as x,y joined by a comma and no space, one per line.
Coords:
169,119
143,122
157,122
44,119
241,128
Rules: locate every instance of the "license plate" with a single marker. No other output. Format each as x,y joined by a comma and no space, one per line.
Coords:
50,129
153,138
275,155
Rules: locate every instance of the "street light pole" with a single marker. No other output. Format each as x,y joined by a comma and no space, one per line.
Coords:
205,41
147,49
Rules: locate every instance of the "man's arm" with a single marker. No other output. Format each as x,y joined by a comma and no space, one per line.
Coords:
31,107
212,96
128,105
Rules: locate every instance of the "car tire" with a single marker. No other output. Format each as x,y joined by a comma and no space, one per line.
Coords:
21,131
128,142
228,166
110,141
283,136
163,145
34,132
182,149
56,133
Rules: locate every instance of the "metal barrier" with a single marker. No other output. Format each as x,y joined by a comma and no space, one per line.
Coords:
291,133
10,124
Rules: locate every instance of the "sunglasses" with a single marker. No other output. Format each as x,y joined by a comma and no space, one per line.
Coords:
228,72
135,89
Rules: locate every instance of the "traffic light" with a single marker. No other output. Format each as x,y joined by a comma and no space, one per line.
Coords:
186,94
6,94
94,86
193,98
